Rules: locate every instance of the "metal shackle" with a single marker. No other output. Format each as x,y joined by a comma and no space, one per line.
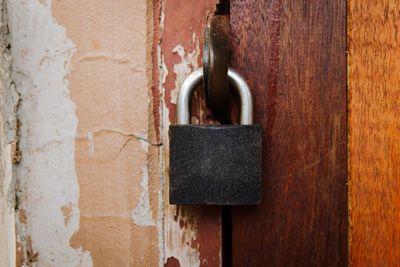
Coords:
195,79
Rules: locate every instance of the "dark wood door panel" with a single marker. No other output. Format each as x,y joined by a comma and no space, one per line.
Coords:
293,55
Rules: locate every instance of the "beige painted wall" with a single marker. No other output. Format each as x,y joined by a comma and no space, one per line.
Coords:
88,175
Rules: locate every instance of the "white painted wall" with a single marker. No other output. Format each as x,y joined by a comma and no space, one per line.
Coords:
47,181
8,101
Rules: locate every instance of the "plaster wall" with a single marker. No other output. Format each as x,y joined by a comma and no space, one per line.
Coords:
8,125
86,152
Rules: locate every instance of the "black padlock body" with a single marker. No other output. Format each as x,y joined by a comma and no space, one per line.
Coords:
215,164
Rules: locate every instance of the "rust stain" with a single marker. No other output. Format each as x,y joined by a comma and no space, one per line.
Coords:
67,212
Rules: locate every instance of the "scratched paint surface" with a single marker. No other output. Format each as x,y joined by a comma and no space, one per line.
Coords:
192,234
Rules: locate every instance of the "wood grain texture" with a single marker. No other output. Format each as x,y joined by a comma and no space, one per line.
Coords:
293,55
374,132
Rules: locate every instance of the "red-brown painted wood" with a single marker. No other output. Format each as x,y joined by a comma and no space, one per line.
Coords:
293,55
177,45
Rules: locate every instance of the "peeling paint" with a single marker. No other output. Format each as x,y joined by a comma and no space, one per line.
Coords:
93,176
180,52
7,232
142,214
189,63
8,126
46,177
179,240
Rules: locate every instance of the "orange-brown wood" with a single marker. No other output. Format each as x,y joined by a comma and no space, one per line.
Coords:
374,132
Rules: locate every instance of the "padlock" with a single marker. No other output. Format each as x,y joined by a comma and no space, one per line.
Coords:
215,164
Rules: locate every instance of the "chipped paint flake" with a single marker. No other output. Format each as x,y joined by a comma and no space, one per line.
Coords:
178,241
142,214
188,63
181,246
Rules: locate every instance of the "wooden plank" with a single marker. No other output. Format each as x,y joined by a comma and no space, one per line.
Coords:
192,234
374,132
293,55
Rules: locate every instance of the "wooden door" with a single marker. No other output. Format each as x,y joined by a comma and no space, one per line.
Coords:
293,55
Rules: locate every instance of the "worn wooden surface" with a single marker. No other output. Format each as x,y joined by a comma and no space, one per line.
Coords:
192,234
374,132
293,55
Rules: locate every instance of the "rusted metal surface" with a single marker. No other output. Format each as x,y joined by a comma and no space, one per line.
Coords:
215,62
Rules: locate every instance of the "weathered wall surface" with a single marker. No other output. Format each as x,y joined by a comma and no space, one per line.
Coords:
115,149
97,82
8,102
88,176
47,180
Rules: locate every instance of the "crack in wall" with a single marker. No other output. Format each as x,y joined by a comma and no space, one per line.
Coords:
126,134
